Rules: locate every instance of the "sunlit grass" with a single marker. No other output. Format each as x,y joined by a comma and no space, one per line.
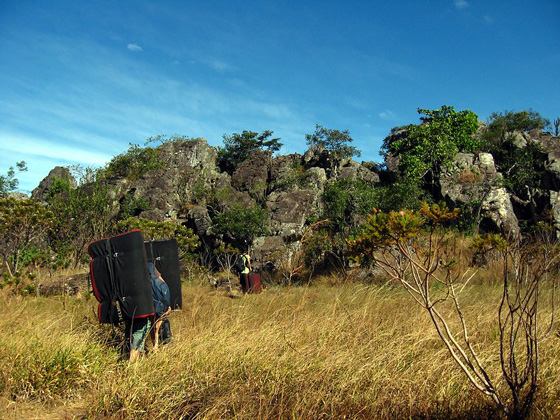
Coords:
346,351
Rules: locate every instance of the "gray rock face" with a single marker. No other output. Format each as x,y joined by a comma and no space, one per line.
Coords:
474,178
289,211
190,169
252,175
497,206
41,192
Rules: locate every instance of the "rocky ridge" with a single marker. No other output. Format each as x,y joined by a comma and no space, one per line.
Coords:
190,188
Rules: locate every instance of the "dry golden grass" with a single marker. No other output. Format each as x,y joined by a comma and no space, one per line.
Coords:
346,351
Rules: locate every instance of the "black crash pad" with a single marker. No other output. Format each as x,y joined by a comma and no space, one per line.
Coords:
120,277
165,256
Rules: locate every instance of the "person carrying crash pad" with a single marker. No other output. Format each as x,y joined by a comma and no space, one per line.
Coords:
244,267
162,306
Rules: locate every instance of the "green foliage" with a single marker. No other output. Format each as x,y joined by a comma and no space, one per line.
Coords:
80,215
238,147
383,230
523,165
523,169
9,182
482,244
335,141
22,222
345,200
35,256
431,145
185,237
241,223
401,194
133,164
503,124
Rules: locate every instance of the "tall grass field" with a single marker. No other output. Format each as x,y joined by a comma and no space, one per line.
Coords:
344,351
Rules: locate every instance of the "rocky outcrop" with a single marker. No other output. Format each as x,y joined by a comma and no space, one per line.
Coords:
191,190
57,173
474,179
497,206
289,210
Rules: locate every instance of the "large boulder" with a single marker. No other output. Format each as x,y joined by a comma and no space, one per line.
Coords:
290,210
353,170
252,175
497,207
57,173
187,177
473,178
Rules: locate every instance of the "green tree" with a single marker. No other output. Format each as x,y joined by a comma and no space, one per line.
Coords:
241,223
502,125
22,223
523,164
80,215
524,171
346,202
335,141
9,182
428,147
401,194
238,147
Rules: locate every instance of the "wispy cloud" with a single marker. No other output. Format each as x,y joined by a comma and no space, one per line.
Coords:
41,148
217,64
387,115
488,19
134,47
460,4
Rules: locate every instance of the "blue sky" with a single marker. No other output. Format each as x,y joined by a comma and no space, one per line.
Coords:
81,80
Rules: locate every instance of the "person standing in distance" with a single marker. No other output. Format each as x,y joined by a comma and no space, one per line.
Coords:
244,275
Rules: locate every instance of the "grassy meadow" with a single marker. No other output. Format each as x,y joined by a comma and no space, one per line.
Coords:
350,350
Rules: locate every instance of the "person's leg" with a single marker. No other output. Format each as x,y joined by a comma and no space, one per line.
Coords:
244,279
140,328
155,332
165,332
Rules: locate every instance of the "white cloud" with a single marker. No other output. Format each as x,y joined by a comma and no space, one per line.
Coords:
41,148
387,115
134,47
217,65
460,4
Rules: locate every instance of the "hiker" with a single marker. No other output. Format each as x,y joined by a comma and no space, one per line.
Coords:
244,273
162,306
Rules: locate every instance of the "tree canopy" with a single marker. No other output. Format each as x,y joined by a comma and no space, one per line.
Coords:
238,147
502,125
9,182
335,141
241,223
425,148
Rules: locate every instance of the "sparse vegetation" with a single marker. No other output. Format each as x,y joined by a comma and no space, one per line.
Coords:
416,251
